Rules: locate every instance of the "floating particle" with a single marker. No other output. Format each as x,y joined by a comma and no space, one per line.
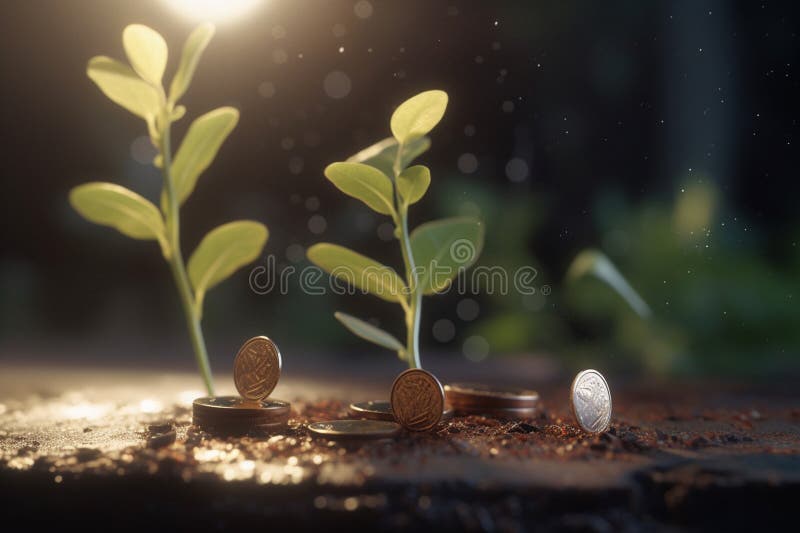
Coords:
507,107
142,150
386,231
295,253
517,169
444,330
317,224
339,30
312,203
468,309
467,163
363,9
280,56
469,130
296,165
287,143
476,348
266,89
337,84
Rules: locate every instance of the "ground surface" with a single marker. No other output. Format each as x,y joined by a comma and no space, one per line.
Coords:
75,448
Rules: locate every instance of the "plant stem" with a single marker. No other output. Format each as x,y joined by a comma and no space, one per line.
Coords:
414,310
176,261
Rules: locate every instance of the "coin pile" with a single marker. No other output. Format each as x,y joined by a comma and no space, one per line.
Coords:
256,371
232,415
498,402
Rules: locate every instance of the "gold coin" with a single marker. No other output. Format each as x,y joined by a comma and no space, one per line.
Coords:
257,368
417,399
382,410
354,429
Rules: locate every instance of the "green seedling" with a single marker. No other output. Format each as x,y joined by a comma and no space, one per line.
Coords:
138,88
433,254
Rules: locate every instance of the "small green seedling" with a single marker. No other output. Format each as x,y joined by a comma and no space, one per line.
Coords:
433,254
138,89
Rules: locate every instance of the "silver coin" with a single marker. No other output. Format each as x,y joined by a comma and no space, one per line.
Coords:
591,401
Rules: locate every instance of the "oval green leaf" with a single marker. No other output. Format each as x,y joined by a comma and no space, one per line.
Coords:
109,204
193,49
222,252
358,270
370,333
147,52
199,148
418,115
443,248
123,87
413,183
382,155
364,183
596,263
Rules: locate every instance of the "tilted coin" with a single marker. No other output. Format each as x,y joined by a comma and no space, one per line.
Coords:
417,399
382,410
354,429
591,401
257,368
477,394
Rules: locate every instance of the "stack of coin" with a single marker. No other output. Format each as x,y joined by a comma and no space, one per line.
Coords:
256,371
232,415
497,402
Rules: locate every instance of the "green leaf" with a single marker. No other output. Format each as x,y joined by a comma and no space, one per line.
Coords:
596,263
192,51
198,149
418,115
365,183
123,87
222,252
412,183
147,52
115,206
368,332
442,248
382,155
358,270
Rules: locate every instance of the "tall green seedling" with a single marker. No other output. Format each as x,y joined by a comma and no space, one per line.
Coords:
433,253
138,88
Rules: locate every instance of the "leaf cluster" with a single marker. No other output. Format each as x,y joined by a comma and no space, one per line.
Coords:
381,176
137,87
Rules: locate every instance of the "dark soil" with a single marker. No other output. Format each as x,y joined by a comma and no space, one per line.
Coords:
699,457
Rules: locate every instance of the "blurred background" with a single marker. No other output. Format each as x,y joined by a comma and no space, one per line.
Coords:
663,133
